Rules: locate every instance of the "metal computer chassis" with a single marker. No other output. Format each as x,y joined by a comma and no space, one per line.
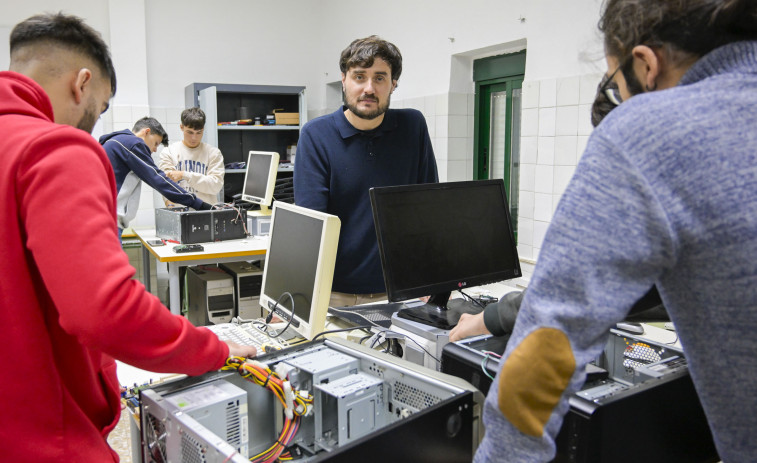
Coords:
366,405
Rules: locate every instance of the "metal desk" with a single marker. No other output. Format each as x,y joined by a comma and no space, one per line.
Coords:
214,253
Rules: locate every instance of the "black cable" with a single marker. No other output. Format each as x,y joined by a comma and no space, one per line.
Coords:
359,327
471,299
378,336
419,345
260,325
273,310
673,341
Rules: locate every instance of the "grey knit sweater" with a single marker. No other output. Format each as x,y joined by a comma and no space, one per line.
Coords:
665,194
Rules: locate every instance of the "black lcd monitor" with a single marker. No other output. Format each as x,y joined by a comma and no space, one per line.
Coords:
440,237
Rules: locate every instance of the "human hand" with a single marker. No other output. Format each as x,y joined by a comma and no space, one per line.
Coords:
175,175
238,350
468,325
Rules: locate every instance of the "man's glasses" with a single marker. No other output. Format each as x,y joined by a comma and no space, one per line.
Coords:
610,89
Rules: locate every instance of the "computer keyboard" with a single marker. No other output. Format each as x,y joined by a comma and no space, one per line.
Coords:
377,314
246,334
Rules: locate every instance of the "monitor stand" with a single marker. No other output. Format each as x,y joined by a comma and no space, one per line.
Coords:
264,211
440,311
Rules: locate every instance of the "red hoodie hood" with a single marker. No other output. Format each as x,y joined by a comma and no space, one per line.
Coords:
21,95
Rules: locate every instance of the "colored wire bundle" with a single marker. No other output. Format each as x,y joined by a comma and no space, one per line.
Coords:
295,403
277,450
261,375
238,218
488,354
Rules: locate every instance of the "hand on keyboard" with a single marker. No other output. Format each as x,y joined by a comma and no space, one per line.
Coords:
236,350
244,335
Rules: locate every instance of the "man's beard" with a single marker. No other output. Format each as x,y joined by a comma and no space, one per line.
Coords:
89,119
632,83
368,115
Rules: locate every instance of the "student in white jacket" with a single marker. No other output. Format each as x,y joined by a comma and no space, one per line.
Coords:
193,164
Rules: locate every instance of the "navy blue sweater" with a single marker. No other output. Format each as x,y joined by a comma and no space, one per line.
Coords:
336,166
132,162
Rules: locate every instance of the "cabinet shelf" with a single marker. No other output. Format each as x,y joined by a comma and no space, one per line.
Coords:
224,102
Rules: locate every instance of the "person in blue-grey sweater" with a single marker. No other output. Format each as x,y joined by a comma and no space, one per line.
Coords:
665,194
364,144
129,152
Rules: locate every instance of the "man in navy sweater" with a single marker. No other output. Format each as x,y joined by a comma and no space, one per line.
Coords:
362,145
129,152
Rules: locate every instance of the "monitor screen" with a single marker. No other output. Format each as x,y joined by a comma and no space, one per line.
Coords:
260,177
441,237
300,261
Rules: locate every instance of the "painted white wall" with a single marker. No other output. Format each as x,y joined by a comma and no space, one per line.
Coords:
234,41
557,34
161,46
298,42
128,47
168,44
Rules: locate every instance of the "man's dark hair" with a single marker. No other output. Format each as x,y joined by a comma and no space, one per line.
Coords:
154,126
69,32
193,118
362,52
688,29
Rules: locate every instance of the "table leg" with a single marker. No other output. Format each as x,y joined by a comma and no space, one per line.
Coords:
146,268
174,288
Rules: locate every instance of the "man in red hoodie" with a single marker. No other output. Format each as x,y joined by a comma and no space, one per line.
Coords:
68,303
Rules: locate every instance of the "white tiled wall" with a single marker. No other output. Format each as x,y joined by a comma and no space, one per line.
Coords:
449,118
555,125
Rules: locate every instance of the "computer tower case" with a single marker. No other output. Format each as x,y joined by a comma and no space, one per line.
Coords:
628,410
210,295
188,226
248,279
367,406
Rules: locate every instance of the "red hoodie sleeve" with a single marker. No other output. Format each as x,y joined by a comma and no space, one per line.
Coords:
70,226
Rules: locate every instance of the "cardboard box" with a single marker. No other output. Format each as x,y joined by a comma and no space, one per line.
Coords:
287,118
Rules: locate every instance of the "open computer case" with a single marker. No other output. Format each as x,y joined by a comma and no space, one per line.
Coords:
638,403
366,405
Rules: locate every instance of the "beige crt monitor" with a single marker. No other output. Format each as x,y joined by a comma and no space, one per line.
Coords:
300,261
260,179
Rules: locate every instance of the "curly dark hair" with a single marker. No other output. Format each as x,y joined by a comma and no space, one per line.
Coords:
692,28
362,52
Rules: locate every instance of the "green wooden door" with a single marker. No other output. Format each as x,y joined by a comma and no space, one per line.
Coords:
497,141
499,80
